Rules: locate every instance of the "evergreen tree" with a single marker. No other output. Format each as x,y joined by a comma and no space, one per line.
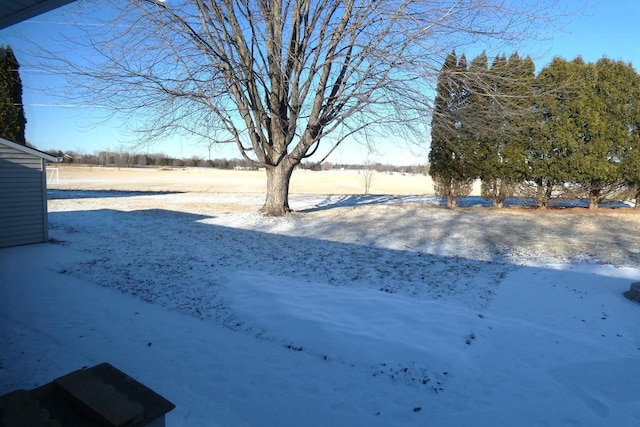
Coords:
504,99
553,142
629,147
448,156
604,128
521,92
491,144
591,168
586,126
502,161
12,119
631,171
630,168
477,117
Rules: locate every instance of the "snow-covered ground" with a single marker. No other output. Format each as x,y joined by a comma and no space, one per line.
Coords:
354,311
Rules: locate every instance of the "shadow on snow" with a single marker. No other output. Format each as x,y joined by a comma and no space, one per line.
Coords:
53,194
331,202
161,256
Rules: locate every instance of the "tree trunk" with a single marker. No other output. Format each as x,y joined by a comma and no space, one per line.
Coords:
501,191
637,205
539,194
278,180
498,197
544,193
451,201
594,196
548,193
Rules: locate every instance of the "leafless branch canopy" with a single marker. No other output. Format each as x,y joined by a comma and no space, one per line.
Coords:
281,77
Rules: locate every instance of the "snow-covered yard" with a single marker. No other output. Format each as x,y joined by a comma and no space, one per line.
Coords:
356,310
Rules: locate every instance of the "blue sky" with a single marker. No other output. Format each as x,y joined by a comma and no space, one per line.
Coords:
608,28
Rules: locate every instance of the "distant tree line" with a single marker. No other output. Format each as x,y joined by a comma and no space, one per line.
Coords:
125,159
377,167
572,130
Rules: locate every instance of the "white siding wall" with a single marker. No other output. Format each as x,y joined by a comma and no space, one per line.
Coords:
23,206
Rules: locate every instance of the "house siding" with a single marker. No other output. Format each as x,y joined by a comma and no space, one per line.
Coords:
23,202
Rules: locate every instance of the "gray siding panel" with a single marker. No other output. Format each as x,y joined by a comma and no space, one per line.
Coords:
20,232
17,211
13,180
21,159
22,222
23,214
25,238
18,168
24,164
20,198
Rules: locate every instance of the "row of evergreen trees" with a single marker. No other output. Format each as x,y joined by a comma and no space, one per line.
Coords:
571,130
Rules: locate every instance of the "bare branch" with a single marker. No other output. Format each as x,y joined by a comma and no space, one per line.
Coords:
280,76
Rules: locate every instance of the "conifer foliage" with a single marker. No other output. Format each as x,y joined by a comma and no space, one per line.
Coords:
12,119
573,127
501,164
450,153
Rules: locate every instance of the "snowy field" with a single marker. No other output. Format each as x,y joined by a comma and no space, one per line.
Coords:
354,311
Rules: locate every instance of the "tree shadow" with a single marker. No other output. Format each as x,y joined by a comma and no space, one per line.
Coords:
176,259
495,235
56,194
525,202
331,202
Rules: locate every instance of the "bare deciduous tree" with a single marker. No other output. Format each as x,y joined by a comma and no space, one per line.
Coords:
366,175
285,78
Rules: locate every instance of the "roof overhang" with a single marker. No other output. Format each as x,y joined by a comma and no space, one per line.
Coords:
14,11
31,151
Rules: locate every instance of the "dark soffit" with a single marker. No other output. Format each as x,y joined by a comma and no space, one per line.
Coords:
15,11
